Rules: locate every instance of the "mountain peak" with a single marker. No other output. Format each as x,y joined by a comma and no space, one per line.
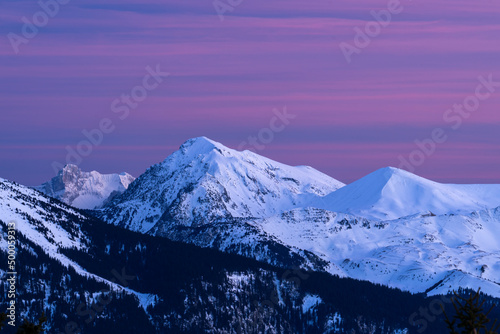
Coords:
392,176
390,172
69,174
85,190
201,145
201,140
200,148
70,168
390,193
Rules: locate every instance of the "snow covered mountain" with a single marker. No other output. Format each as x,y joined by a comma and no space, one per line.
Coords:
85,190
390,227
205,182
390,193
98,278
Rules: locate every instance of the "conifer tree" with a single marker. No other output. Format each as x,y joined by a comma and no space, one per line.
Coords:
27,327
3,317
30,328
470,317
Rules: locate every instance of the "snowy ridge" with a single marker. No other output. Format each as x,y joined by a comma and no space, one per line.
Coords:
390,193
51,225
85,190
33,214
412,253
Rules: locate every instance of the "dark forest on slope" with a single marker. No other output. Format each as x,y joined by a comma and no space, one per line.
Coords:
197,289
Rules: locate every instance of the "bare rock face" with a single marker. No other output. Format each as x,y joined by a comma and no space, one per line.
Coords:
390,227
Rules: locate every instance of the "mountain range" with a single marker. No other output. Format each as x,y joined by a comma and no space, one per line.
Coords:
87,276
258,218
390,227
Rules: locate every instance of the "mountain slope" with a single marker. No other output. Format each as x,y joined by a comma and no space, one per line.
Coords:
48,224
390,193
420,253
97,278
46,221
85,190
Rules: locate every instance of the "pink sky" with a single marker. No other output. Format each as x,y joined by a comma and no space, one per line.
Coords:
226,77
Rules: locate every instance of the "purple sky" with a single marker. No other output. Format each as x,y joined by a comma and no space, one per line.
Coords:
226,77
